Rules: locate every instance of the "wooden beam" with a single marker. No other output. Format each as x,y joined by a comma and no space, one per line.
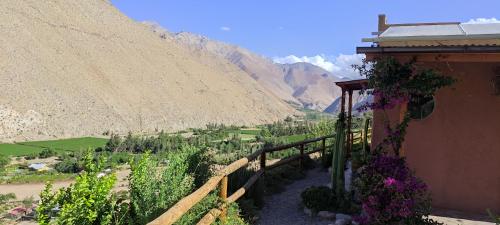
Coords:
342,102
349,121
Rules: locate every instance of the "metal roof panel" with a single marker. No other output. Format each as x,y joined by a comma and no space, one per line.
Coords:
422,30
481,29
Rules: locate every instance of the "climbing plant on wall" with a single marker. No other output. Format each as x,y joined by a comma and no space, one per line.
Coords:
393,83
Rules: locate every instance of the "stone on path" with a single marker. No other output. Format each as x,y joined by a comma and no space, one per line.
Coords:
326,215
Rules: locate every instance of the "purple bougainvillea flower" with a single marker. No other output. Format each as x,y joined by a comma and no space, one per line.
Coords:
389,181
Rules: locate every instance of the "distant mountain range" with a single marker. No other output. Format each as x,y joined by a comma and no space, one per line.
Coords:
303,85
82,68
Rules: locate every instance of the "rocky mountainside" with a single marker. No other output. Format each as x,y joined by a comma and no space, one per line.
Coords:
358,100
313,86
77,68
301,84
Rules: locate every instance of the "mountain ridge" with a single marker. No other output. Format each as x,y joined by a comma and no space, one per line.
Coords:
82,68
277,78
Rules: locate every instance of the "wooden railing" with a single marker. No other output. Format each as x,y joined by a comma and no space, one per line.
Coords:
221,179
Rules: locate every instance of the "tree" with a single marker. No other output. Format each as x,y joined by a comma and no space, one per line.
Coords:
86,202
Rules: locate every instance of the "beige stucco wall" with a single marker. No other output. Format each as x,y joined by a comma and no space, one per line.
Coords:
456,150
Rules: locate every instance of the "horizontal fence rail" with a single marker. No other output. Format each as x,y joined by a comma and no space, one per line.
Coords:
221,180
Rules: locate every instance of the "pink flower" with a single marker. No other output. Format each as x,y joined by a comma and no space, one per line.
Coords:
389,181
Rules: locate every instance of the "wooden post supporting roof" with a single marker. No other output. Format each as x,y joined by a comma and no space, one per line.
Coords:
349,124
350,86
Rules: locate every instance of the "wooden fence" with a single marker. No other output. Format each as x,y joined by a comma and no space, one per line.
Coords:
221,179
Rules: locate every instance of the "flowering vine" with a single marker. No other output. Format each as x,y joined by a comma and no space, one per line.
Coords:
393,84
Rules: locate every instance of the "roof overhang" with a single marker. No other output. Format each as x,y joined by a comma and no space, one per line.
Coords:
430,49
353,85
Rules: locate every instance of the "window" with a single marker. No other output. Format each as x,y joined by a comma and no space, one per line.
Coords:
420,107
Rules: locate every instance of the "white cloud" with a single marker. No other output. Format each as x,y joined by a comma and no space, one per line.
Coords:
223,28
340,65
484,20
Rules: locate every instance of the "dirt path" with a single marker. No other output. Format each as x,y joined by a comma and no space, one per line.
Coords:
285,208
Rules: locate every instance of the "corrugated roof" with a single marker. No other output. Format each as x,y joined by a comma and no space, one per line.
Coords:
458,34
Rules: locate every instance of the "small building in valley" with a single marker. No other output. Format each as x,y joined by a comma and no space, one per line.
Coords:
453,142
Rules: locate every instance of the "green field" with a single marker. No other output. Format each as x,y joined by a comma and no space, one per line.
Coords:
63,145
296,138
246,134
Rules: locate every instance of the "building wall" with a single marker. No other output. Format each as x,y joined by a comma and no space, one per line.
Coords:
456,150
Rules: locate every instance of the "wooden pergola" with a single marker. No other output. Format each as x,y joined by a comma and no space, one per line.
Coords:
349,87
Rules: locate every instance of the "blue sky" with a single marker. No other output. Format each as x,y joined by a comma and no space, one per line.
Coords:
278,28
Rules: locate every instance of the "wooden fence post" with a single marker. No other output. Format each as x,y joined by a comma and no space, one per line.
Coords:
301,156
263,160
223,196
323,150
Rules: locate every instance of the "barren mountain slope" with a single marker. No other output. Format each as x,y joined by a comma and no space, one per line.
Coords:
302,83
73,68
314,87
263,70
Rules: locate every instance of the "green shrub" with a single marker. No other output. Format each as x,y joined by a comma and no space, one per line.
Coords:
199,210
5,199
69,165
87,201
155,188
30,156
318,198
4,161
233,216
494,217
46,153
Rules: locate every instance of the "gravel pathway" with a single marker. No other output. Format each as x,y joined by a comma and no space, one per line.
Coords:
285,208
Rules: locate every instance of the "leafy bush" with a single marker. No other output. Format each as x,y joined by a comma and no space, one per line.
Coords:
233,216
69,165
46,153
390,193
495,218
30,156
318,198
4,200
155,188
87,201
199,210
4,161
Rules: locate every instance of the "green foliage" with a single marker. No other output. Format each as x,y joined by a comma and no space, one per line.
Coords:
4,161
324,199
233,216
5,199
494,217
74,162
393,83
287,127
46,153
36,177
318,198
69,165
30,156
87,201
60,146
338,159
156,186
199,210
